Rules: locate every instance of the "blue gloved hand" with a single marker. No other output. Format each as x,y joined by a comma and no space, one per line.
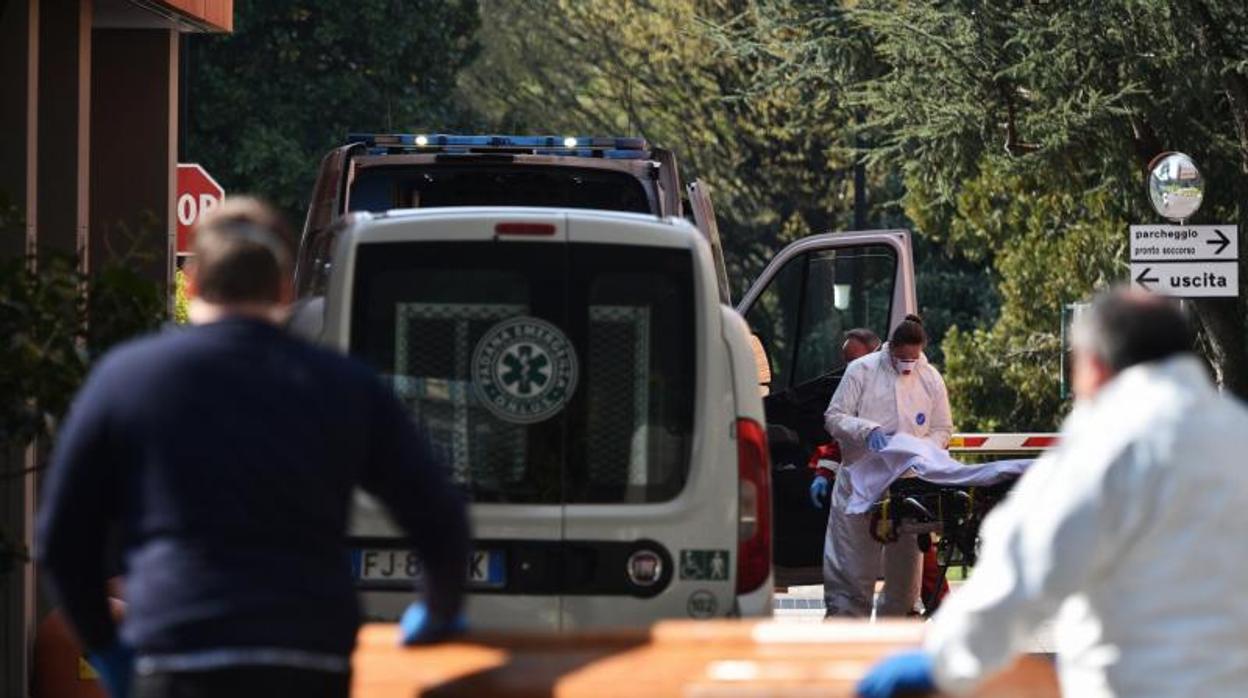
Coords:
905,672
877,439
417,627
819,491
115,665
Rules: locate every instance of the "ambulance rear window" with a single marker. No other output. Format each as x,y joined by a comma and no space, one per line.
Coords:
544,373
483,184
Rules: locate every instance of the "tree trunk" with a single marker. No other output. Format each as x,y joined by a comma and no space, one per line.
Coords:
1224,318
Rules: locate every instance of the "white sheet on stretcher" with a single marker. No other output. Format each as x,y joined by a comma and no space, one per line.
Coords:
907,456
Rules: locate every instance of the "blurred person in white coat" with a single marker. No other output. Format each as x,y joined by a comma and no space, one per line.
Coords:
892,391
1128,534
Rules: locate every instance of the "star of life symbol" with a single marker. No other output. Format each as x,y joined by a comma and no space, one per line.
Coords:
524,370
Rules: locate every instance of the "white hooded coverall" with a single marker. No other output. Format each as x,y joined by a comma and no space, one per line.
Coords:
1131,533
871,395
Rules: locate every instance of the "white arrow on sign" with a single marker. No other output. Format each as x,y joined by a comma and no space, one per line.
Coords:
1188,280
1184,243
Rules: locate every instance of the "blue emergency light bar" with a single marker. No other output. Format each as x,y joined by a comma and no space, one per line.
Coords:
570,146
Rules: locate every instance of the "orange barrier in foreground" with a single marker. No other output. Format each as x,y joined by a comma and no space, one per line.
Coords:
60,670
678,658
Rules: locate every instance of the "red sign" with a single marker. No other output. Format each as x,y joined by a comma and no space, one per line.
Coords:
198,193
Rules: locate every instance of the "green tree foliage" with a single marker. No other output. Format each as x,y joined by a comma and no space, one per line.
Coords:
1008,376
660,70
1023,131
268,101
777,152
181,300
1077,98
57,321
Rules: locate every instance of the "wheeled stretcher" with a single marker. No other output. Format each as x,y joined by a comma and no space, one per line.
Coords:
947,516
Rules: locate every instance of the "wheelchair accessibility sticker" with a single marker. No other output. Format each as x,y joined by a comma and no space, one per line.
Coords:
709,565
524,370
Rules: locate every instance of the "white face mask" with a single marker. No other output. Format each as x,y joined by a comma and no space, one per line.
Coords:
904,366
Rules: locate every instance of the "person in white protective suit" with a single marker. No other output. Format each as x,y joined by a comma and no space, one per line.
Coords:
893,391
1128,534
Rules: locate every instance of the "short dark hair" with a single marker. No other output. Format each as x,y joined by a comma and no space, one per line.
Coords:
1125,327
909,333
869,339
242,253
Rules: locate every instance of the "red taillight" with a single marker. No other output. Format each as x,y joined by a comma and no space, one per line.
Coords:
524,229
754,507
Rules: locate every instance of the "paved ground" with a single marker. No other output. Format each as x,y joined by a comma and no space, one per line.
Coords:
800,605
804,604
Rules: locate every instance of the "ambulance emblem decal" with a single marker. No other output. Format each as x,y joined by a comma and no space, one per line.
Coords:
524,370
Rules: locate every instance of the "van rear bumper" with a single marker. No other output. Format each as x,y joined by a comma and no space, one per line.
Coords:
484,611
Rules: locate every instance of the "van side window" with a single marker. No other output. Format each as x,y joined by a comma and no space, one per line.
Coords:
803,314
845,288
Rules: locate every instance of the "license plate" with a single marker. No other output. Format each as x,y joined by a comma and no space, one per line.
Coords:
400,568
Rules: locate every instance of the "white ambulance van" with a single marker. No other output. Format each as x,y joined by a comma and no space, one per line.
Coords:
592,396
543,308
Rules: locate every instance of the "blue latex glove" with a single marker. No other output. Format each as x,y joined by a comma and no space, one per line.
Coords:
115,665
417,628
906,672
819,491
877,439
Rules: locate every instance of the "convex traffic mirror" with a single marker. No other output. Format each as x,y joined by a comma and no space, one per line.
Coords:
1175,186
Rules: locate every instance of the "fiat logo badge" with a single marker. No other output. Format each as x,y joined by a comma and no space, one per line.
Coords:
645,567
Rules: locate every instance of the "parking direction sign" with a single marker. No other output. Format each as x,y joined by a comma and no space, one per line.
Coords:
1188,279
1184,243
1186,261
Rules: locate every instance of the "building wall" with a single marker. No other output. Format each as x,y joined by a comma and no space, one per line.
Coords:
134,116
64,104
19,64
19,51
88,147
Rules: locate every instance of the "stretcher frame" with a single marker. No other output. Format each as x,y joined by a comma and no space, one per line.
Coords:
954,513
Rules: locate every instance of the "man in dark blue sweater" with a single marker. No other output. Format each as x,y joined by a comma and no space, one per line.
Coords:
224,456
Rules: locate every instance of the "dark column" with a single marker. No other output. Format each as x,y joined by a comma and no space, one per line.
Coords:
19,94
64,124
134,114
860,177
19,90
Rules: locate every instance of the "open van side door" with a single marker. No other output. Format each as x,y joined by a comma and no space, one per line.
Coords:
799,309
704,218
328,200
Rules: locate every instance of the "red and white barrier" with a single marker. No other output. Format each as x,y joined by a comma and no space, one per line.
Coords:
1002,443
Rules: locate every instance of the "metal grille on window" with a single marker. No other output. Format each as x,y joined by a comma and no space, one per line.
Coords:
433,349
619,396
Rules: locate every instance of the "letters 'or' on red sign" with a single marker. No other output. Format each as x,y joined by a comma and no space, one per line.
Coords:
198,193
